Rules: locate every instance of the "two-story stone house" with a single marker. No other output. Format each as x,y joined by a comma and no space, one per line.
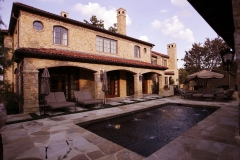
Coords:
75,53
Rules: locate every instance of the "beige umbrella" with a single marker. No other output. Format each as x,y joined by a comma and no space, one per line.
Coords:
45,87
203,76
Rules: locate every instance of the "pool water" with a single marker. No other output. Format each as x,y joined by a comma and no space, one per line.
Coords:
146,132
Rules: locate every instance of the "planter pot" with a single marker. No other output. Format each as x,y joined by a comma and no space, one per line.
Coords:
3,115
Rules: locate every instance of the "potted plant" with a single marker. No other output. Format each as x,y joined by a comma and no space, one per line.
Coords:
165,87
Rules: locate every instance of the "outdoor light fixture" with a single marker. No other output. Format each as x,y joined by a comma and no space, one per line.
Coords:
140,77
227,59
101,75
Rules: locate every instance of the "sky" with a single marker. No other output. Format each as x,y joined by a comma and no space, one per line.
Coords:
160,22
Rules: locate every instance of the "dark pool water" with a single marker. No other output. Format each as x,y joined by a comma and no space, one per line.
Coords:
146,132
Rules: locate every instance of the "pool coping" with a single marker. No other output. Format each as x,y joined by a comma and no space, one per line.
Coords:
191,144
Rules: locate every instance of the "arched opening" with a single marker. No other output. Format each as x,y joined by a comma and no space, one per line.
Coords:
69,79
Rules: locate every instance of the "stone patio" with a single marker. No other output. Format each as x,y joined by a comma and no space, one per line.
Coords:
60,138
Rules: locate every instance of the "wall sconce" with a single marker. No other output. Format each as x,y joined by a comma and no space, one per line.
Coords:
227,59
101,75
140,77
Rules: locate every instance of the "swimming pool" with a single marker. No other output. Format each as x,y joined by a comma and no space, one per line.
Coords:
147,131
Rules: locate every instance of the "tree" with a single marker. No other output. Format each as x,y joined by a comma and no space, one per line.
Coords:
113,28
182,75
94,21
204,56
7,96
1,21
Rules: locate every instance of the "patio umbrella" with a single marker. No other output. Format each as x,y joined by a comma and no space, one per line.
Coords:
104,84
45,88
204,75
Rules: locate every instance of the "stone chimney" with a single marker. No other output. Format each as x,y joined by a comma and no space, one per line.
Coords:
64,14
121,21
172,53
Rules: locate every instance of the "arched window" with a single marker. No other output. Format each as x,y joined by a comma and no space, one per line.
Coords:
136,51
60,35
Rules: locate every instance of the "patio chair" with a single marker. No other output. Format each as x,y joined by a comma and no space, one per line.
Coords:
85,98
228,95
208,96
57,100
183,93
218,91
198,94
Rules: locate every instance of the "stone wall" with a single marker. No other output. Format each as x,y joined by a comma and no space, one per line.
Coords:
79,38
89,78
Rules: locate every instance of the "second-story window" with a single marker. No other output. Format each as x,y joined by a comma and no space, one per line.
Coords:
154,60
136,51
38,25
164,62
106,45
60,35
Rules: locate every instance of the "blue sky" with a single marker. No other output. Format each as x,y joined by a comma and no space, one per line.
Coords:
157,21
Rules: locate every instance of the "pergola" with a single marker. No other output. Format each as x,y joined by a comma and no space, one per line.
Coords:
224,18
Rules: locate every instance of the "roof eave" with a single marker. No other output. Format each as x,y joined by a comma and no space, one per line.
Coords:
22,54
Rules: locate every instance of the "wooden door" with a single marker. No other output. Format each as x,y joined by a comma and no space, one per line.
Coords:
129,84
144,84
113,84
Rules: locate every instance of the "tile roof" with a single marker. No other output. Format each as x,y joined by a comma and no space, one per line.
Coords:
16,7
160,54
66,55
169,72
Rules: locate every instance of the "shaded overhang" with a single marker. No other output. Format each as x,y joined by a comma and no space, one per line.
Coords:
66,55
218,14
169,73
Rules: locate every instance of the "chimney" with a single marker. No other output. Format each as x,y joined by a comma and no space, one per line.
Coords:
64,14
121,21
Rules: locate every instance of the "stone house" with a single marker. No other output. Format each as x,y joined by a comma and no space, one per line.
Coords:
75,53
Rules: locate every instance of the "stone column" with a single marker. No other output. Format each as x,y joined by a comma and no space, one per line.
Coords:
236,17
30,91
160,85
137,86
98,86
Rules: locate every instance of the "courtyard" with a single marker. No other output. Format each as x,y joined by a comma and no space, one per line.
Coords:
60,138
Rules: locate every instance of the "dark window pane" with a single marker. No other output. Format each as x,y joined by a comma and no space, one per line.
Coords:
60,35
38,25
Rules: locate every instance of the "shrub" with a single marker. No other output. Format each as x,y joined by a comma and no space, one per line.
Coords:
10,99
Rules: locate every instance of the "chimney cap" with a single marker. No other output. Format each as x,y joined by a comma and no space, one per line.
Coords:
64,14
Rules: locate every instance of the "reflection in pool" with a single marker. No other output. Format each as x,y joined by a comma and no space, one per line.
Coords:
146,132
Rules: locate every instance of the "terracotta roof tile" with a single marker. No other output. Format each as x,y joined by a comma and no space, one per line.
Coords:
160,54
52,53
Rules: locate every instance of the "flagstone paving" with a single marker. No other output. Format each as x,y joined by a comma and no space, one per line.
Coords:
60,138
